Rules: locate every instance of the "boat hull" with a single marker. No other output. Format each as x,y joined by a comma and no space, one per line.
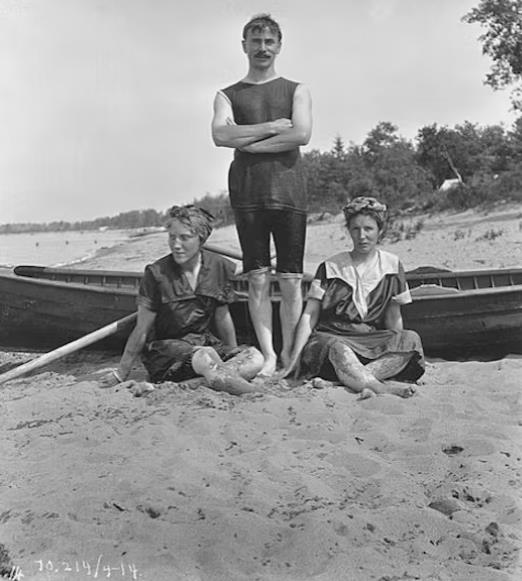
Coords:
455,317
44,314
486,322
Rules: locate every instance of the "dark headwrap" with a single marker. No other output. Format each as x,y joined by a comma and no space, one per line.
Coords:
365,205
197,219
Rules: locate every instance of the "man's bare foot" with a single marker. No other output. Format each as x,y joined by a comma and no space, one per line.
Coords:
269,367
285,359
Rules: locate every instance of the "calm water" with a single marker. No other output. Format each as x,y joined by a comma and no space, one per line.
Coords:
55,248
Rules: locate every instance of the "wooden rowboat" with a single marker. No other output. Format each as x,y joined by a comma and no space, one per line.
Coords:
457,314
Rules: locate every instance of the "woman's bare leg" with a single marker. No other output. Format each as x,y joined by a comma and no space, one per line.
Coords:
388,365
229,376
248,363
353,374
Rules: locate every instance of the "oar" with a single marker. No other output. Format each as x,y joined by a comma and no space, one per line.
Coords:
223,251
67,349
226,252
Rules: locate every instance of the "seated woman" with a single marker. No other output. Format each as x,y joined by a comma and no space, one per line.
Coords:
351,329
183,298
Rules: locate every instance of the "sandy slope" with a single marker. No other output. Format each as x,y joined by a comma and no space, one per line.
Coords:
464,240
296,484
308,484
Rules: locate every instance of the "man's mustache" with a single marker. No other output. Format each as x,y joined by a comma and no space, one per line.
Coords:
262,54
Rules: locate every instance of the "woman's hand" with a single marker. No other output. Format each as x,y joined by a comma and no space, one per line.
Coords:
138,388
109,378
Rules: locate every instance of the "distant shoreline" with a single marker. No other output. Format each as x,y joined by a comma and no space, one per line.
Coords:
471,239
57,248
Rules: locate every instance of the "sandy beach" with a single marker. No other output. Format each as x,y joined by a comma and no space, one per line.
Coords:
469,240
297,483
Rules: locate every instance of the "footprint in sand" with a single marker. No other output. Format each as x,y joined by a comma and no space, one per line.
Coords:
356,464
467,448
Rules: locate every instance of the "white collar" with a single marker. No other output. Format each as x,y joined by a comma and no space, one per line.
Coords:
362,281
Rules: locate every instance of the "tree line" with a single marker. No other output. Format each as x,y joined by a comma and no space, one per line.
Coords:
125,220
484,165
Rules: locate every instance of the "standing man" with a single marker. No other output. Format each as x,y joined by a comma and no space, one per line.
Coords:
265,118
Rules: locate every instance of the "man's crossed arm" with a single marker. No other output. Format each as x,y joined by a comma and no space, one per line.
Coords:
269,137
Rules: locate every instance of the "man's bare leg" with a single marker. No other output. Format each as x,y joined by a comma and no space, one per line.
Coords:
289,311
260,308
353,374
388,365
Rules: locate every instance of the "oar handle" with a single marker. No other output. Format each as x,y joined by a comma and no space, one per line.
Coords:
227,252
67,349
223,251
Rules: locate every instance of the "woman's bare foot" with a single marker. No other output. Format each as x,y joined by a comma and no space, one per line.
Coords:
401,389
354,375
221,379
320,383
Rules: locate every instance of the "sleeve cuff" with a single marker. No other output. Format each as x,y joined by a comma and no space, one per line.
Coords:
142,301
403,298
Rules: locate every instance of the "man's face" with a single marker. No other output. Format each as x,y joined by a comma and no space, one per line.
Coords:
261,48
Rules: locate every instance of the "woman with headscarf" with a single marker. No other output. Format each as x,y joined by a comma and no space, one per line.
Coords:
351,329
182,297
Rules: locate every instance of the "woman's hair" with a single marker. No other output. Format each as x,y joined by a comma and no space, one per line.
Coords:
199,220
368,207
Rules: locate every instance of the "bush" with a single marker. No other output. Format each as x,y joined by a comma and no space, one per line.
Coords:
490,235
397,230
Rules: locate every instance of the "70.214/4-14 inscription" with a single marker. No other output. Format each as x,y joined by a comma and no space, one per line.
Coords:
95,569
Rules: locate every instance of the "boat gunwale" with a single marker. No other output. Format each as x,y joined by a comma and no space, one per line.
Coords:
410,275
77,286
42,274
461,294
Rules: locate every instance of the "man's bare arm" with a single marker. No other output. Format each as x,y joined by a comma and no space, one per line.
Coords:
226,133
298,134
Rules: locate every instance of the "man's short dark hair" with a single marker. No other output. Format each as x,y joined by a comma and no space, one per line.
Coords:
261,22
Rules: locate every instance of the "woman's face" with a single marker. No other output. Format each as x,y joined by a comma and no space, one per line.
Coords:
184,243
365,233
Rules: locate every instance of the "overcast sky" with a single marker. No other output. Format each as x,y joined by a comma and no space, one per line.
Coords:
105,105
